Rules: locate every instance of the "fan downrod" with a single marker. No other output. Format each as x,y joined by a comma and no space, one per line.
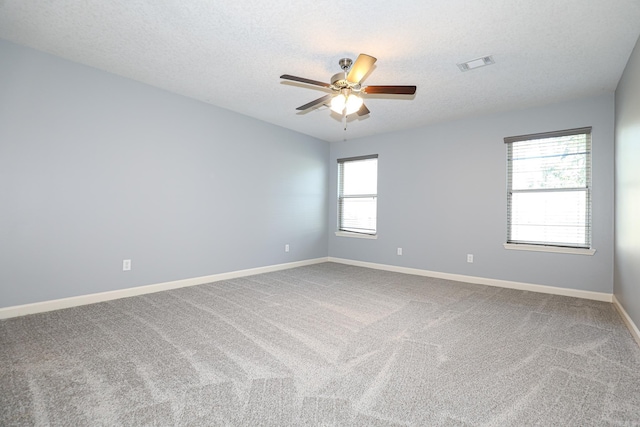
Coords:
339,81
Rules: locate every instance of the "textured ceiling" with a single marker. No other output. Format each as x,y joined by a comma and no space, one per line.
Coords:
230,53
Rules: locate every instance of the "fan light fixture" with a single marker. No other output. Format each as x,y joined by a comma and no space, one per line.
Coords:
346,88
348,104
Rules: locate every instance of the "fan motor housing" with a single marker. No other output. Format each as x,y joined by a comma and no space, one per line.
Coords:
340,80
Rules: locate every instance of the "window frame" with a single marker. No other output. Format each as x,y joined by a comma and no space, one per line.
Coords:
341,231
549,246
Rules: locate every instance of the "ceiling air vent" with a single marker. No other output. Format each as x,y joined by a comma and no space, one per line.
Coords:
476,63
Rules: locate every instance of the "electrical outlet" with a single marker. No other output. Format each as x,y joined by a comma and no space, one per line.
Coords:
469,257
126,265
286,248
399,251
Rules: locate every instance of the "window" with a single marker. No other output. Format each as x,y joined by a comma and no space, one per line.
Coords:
357,194
549,189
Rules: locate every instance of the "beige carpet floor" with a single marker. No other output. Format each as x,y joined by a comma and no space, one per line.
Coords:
323,345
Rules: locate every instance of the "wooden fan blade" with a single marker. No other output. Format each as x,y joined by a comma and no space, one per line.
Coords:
303,80
363,111
315,102
392,90
360,68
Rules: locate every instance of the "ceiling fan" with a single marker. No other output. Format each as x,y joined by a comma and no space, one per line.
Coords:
347,87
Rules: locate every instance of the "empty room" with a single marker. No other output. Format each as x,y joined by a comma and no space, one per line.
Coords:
245,213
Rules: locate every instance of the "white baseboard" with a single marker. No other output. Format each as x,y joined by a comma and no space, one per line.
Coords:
598,296
627,320
40,307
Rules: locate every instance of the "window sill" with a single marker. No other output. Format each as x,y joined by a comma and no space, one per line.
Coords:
356,235
554,249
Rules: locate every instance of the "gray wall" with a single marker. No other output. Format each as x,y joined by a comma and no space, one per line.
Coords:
442,195
627,234
95,169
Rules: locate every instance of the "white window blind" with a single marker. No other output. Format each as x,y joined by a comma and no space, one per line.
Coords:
358,194
549,188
